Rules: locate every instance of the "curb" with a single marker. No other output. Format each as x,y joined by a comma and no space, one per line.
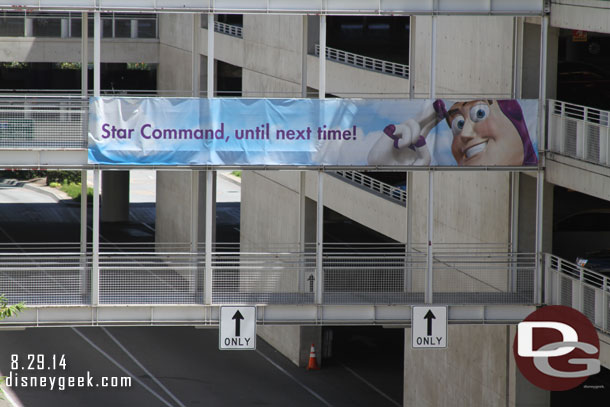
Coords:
231,178
48,192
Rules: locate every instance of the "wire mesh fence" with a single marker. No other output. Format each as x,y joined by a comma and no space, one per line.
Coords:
365,273
43,122
43,279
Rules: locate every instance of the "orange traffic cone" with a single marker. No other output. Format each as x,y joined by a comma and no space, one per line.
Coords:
313,363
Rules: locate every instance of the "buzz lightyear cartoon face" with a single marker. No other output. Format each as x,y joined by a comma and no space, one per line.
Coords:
485,132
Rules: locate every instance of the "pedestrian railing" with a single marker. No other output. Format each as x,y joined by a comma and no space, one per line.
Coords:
283,274
579,132
573,286
229,29
374,185
364,62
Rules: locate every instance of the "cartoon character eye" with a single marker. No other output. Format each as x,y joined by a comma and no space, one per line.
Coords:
479,112
457,124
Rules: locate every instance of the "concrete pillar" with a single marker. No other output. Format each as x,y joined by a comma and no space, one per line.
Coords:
115,196
527,215
531,61
476,369
173,207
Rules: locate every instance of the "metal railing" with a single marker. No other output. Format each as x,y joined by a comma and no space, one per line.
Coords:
364,62
352,274
375,185
584,290
229,29
579,132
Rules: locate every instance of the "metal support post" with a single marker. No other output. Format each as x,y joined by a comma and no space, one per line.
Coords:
302,203
429,271
83,232
517,56
209,202
211,71
319,279
322,59
304,58
195,56
433,59
408,275
97,53
514,229
541,148
84,52
95,269
194,230
430,254
411,58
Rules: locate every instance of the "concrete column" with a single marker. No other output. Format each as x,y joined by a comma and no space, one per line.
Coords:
29,27
134,29
115,196
173,210
65,28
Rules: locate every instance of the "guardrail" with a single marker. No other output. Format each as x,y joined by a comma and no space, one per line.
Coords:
352,274
375,185
364,62
229,29
585,290
579,131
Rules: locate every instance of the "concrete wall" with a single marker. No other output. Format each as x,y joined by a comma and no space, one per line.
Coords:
474,56
476,369
29,49
588,15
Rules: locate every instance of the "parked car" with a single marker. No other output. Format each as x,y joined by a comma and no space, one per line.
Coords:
599,262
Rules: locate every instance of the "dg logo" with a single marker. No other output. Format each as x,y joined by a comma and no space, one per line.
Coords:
556,348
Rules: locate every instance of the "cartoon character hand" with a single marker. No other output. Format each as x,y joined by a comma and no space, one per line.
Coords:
403,134
430,115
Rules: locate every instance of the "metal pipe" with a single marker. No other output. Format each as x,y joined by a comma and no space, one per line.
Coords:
407,284
304,58
211,70
209,202
83,230
95,270
320,240
97,51
429,271
195,56
433,59
322,59
411,57
84,52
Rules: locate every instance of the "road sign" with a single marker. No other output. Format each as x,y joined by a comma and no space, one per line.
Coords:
429,327
237,328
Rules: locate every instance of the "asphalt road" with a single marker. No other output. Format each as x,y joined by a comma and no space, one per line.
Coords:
173,366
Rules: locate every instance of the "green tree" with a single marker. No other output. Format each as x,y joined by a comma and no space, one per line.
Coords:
7,311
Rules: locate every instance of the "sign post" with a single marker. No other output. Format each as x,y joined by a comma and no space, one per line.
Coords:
429,327
237,328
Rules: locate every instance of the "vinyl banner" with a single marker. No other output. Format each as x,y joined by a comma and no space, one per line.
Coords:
310,132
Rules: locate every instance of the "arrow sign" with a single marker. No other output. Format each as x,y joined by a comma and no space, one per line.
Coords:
311,279
429,316
237,328
238,317
429,326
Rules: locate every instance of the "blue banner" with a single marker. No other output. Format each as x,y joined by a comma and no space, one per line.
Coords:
311,132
